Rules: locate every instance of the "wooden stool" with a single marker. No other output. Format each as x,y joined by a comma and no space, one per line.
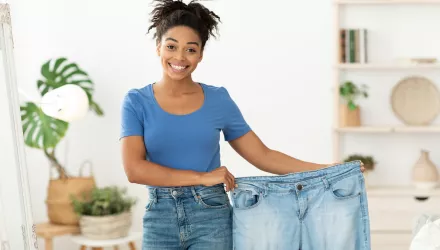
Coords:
85,242
48,231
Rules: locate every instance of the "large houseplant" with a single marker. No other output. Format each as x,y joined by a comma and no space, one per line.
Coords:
45,133
105,213
350,111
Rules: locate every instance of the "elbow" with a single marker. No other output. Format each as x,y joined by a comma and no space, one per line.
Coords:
130,172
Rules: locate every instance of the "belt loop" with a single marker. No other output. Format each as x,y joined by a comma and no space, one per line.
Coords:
153,194
194,193
326,184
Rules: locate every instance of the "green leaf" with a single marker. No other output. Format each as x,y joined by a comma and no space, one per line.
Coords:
351,105
39,130
62,72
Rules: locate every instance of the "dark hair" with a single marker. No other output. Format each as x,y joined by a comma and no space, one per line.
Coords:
170,13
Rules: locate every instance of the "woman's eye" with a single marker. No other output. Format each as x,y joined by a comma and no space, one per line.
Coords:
170,47
192,50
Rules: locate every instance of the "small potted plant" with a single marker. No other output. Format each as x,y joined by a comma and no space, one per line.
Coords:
105,213
368,161
350,111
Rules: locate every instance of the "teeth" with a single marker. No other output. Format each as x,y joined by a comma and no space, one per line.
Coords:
177,67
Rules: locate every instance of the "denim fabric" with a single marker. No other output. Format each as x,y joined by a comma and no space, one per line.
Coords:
325,209
193,218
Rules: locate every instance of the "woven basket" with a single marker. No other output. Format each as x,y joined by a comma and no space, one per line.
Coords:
106,227
59,203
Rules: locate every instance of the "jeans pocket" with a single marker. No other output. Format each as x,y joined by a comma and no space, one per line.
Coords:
246,198
149,205
214,199
346,188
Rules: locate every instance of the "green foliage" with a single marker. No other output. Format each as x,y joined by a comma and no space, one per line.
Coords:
42,131
350,92
367,160
103,201
62,73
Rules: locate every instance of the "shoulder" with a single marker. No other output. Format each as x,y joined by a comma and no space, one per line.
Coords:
219,93
138,96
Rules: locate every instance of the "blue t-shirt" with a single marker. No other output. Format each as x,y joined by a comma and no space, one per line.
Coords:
189,142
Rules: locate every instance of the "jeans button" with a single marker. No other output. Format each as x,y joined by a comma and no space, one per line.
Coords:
174,193
299,187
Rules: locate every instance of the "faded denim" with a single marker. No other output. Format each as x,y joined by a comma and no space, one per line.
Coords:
325,209
192,218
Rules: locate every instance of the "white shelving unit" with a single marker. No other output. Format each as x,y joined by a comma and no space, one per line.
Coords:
341,67
392,208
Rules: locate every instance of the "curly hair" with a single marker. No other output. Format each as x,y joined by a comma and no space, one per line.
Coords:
171,13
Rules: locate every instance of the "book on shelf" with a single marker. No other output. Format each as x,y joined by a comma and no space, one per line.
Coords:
353,46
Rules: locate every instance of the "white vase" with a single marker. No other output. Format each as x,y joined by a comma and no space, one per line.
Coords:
425,173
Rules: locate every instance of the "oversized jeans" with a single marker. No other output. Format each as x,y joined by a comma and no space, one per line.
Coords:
318,210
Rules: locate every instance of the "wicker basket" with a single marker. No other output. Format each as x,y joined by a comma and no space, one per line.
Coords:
59,192
106,227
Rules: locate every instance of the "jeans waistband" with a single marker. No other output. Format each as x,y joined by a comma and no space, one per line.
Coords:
307,179
189,191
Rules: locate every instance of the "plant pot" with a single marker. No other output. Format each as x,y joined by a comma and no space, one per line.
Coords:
348,117
106,227
425,173
59,203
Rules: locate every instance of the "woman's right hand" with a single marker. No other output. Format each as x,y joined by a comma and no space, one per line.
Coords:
217,176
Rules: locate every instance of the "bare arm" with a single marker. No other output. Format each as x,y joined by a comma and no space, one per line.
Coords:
251,148
141,171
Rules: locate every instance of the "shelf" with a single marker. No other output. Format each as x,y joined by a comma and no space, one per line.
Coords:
390,129
401,191
371,2
367,66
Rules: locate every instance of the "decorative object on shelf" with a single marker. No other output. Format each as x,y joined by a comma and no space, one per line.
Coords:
416,101
67,93
425,173
424,60
350,111
106,214
368,161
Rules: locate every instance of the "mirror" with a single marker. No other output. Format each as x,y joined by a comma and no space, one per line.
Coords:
17,230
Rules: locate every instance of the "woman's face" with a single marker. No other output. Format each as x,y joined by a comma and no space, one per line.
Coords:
180,52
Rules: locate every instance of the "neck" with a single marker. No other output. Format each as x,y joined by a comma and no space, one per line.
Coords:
177,86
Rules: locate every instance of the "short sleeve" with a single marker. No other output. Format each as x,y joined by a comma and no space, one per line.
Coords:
131,122
235,125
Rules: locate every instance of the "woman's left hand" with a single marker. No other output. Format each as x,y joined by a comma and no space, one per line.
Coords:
362,166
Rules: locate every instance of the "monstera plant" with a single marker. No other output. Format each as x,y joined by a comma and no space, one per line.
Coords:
42,131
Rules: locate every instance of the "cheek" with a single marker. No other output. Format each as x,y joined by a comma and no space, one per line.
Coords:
194,59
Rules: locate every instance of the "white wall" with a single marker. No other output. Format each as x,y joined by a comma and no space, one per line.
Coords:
274,57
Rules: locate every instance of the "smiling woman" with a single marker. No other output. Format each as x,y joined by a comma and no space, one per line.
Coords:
170,132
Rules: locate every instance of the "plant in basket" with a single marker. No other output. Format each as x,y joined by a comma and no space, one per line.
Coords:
45,133
106,213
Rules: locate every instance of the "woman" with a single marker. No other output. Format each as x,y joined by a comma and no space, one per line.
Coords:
170,139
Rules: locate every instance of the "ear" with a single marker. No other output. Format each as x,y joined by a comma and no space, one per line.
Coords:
158,48
201,56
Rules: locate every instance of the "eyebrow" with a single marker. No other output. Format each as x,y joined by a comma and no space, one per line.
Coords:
174,40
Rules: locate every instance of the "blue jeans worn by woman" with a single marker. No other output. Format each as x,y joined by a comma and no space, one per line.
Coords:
192,218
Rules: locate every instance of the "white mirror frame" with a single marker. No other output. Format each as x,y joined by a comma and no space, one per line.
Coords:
17,230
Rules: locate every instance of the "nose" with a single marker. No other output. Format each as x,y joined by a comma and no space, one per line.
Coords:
180,55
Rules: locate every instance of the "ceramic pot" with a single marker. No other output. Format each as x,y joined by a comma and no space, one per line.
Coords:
425,173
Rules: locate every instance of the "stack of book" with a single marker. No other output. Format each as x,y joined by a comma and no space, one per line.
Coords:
353,45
